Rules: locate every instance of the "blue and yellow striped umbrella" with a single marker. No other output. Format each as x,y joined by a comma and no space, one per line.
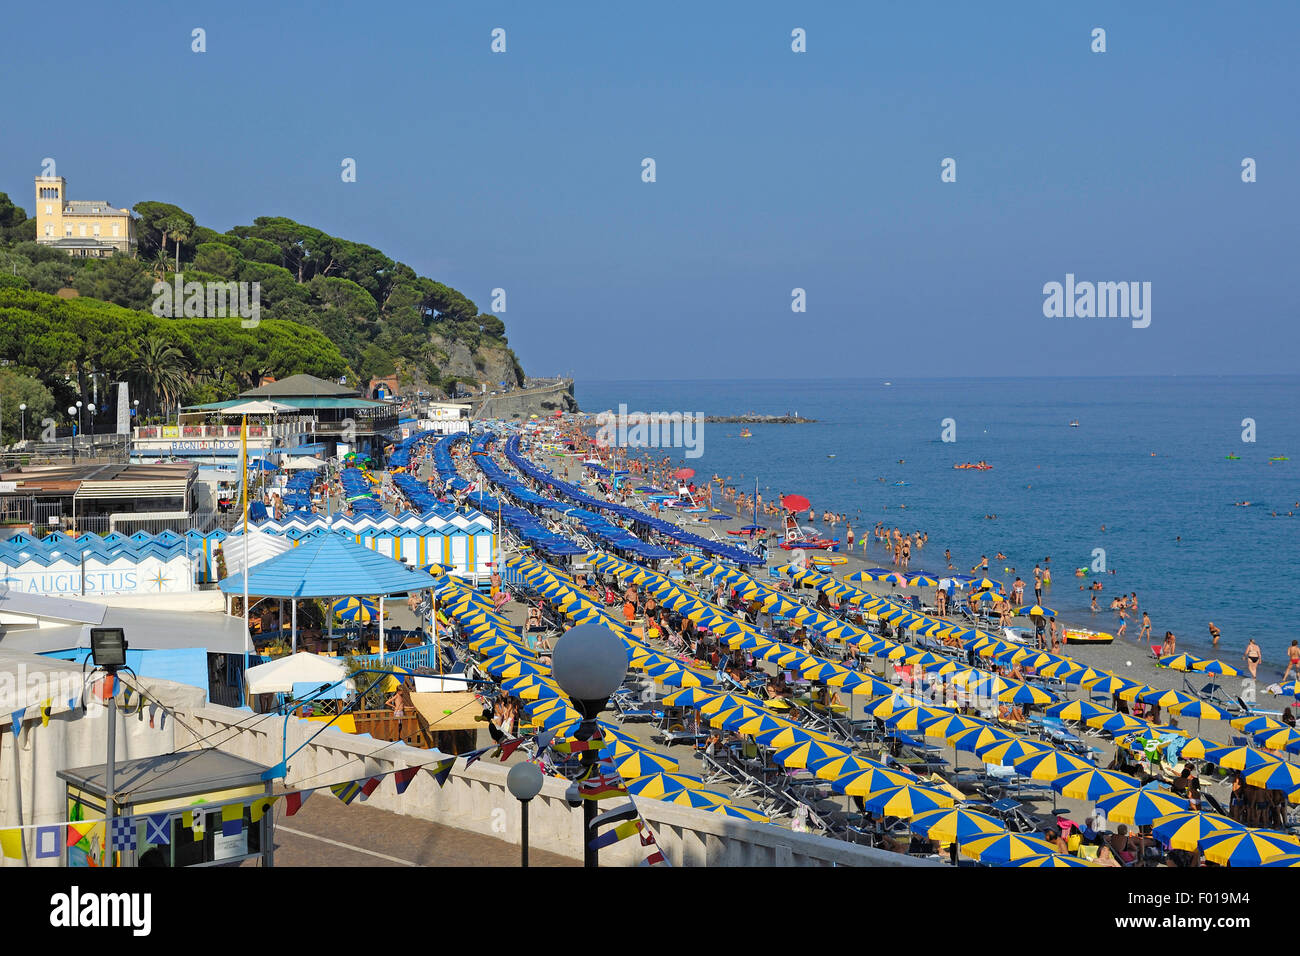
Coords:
1247,847
956,825
1007,752
1005,847
977,737
906,801
1080,709
1246,759
1141,807
787,736
1279,776
661,784
355,609
743,813
832,768
700,799
689,697
1056,861
1093,782
1284,738
1290,859
810,752
1049,765
1185,831
1025,694
871,780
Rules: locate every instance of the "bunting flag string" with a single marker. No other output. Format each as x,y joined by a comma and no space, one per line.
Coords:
440,771
294,801
402,778
510,746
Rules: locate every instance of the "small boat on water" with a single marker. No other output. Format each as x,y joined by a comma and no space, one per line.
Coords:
1077,635
746,433
1075,423
1232,457
813,544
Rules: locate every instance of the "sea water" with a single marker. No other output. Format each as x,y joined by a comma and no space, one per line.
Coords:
1148,462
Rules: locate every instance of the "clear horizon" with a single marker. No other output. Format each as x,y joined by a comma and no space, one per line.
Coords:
775,170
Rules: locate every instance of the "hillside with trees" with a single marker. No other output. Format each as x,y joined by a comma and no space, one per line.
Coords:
365,315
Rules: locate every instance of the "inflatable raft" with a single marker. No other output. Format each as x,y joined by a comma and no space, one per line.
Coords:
1075,635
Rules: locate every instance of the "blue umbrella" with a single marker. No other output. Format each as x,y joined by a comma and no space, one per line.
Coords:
256,464
719,517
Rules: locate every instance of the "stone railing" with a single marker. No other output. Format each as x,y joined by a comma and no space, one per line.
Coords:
475,798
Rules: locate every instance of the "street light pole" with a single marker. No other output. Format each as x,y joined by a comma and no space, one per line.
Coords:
22,417
524,781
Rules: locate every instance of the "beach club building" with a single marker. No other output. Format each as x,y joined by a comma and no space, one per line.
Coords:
298,415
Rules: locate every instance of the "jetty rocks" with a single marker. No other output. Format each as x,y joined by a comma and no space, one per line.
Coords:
753,419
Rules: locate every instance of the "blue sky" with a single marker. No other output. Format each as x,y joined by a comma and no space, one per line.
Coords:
775,170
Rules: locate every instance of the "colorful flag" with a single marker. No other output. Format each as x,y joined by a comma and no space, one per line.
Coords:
11,843
441,771
510,746
620,832
122,833
597,742
196,820
157,829
258,808
49,842
347,792
17,718
474,755
601,787
402,778
293,802
232,819
45,711
370,785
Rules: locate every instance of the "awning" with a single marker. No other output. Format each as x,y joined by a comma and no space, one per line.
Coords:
279,676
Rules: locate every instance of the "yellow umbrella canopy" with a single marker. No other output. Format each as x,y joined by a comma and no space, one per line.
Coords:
1001,848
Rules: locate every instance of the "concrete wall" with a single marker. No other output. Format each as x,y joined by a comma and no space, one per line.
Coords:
524,402
476,799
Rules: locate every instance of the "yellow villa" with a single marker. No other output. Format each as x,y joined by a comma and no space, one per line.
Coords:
80,227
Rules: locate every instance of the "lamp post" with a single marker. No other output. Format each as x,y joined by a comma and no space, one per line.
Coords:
108,646
72,413
91,408
22,418
524,781
589,663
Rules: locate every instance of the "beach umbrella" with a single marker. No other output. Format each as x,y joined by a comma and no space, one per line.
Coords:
1107,683
1140,807
810,752
855,682
1278,776
922,581
906,801
915,718
644,763
506,666
950,725
787,736
1254,724
658,785
681,678
1247,759
795,503
1280,738
956,825
1290,859
1201,710
1093,782
1185,831
1217,667
821,670
700,799
1005,848
1058,861
1247,847
1049,765
977,737
1078,710
755,724
743,813
1165,698
1065,670
1025,694
689,697
1036,610
1007,752
722,702
355,609
832,768
870,780
1183,662
1116,724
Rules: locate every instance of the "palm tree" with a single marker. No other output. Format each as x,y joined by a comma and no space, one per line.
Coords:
160,371
180,232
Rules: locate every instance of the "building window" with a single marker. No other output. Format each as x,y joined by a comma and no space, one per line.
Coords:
115,229
83,229
67,231
49,210
49,232
96,230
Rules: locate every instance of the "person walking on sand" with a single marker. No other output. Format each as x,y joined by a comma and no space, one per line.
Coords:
1252,657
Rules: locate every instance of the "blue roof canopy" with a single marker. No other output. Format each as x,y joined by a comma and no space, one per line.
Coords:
329,566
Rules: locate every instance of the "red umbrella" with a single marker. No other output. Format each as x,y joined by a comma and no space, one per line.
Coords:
684,473
796,503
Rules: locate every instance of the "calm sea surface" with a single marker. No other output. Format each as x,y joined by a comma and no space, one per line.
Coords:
1148,461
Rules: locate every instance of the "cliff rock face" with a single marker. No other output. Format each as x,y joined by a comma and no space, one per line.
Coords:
491,362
